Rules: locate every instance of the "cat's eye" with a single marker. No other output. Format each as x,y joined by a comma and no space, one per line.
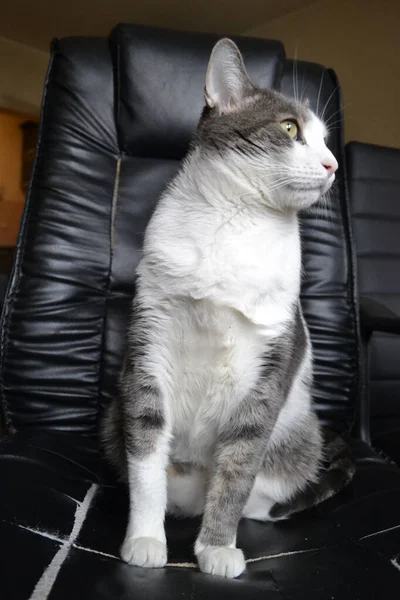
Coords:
290,127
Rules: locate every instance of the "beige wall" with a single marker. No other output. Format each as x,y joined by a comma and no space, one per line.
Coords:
360,39
22,74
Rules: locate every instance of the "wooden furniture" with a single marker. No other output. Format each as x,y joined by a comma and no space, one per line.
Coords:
10,216
17,146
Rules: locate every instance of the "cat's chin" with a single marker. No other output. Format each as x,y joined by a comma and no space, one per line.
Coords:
294,198
306,198
301,201
307,203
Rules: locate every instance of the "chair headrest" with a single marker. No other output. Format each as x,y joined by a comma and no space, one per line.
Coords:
160,78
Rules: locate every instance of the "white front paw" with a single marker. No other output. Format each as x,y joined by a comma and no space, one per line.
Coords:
144,552
223,561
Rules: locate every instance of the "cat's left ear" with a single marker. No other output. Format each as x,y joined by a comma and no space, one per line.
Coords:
227,83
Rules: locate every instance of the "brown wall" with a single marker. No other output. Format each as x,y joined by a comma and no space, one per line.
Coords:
360,39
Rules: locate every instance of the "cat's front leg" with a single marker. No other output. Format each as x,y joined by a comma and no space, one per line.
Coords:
238,458
146,443
237,464
145,542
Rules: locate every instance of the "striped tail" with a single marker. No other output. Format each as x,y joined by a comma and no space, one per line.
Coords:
337,472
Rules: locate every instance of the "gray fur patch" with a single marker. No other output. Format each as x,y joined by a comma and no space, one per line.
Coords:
253,128
135,418
287,353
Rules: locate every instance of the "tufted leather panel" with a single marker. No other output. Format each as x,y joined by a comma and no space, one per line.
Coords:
328,286
374,184
53,318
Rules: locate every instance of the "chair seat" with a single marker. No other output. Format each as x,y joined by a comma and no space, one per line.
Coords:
63,517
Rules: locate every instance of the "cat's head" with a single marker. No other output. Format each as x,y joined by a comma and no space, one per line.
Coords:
274,141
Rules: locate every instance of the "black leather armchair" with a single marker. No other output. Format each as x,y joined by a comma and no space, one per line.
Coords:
117,118
374,190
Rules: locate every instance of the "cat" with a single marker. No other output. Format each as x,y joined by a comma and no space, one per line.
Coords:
214,415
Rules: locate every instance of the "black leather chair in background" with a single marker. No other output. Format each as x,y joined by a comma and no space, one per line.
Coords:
117,119
374,191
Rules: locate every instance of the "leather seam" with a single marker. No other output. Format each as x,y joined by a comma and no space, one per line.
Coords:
114,203
13,286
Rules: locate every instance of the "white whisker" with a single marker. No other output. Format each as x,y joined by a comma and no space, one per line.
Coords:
319,91
327,102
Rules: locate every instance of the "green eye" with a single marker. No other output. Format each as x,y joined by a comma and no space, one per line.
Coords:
290,127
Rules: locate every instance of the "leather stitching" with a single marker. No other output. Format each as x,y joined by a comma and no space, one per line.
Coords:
114,203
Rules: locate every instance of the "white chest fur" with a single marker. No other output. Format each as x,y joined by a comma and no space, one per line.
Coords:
242,259
223,281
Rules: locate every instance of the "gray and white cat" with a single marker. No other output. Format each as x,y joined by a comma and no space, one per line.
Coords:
214,414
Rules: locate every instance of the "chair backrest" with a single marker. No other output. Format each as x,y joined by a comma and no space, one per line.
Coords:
374,186
117,118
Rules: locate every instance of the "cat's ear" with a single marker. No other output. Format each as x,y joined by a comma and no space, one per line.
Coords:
227,82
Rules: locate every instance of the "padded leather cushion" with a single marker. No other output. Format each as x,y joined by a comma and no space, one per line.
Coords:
343,550
374,189
160,78
53,318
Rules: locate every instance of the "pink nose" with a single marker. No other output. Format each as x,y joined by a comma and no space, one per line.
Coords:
330,166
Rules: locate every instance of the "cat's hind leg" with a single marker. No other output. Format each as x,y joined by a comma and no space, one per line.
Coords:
304,468
264,495
336,472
